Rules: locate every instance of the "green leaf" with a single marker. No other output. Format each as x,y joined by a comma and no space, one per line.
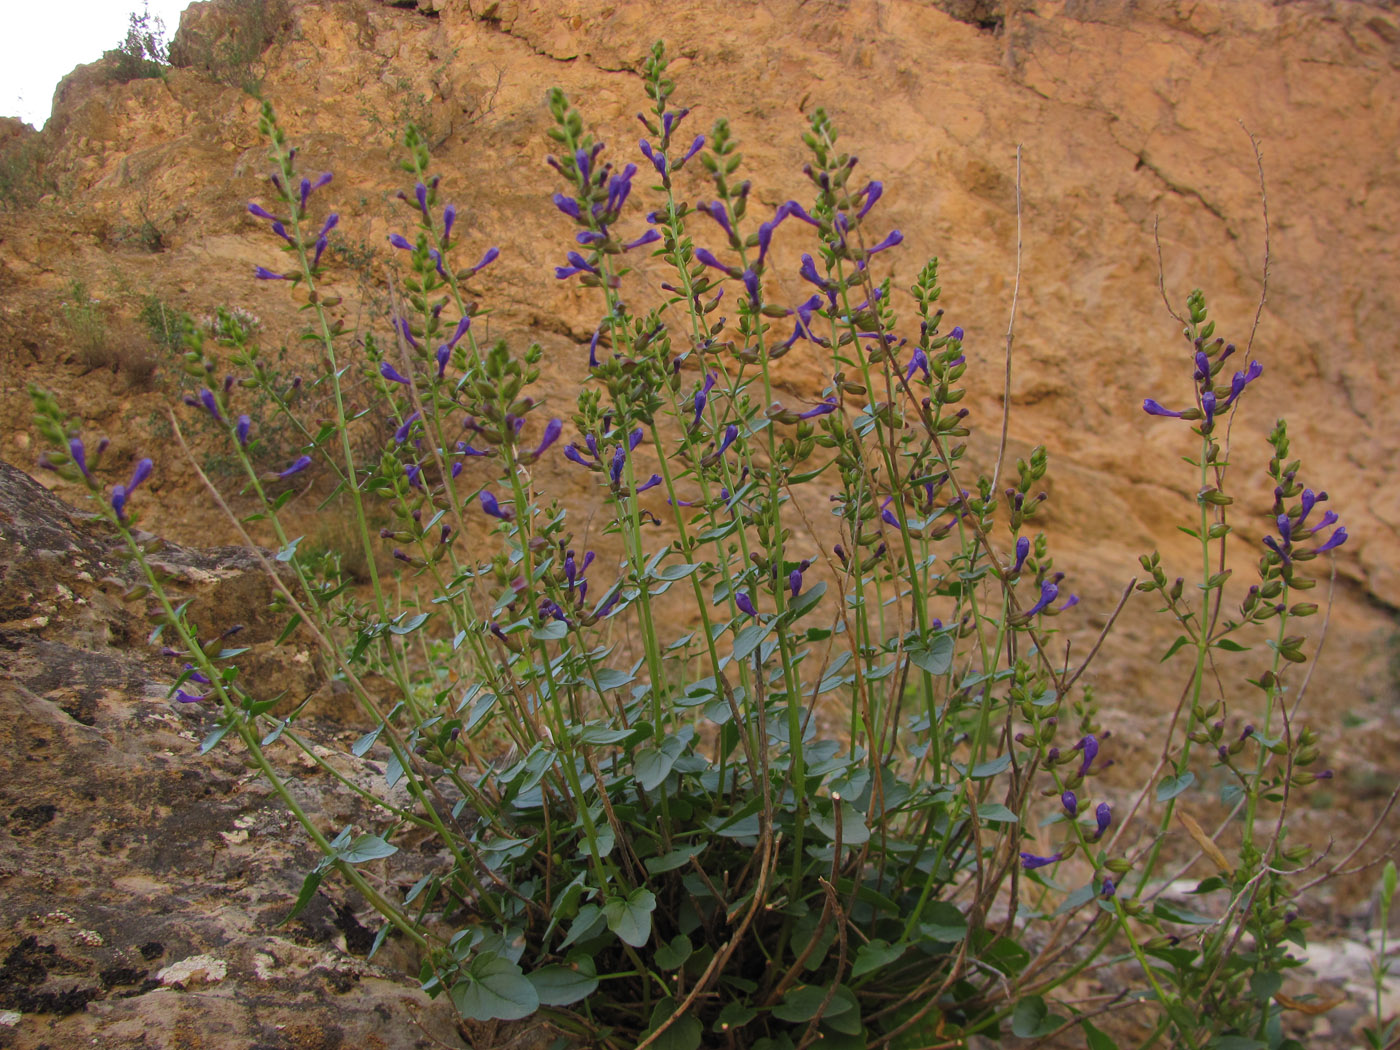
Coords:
1231,646
1032,1019
1096,1039
672,955
853,829
747,640
212,740
291,625
289,552
684,1033
1264,986
876,955
587,923
677,572
366,847
360,746
1077,899
494,989
996,813
653,766
410,625
1175,913
802,1003
1238,1042
943,922
735,1014
612,678
1180,641
561,985
987,770
550,632
1170,787
677,858
309,886
936,658
630,917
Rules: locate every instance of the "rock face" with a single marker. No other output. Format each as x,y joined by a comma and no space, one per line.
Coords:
1128,117
143,883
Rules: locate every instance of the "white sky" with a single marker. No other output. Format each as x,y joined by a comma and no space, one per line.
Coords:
43,42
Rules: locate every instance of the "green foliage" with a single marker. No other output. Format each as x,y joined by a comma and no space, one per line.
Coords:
233,56
145,53
744,775
22,178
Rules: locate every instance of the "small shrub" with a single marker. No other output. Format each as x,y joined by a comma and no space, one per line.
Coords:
229,44
746,777
144,54
22,178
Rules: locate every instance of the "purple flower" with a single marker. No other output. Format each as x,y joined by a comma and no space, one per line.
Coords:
401,434
658,160
1241,380
650,237
751,285
745,604
552,430
871,193
956,333
619,459
139,474
795,582
241,431
1090,746
1108,890
894,238
886,515
1152,408
78,451
1103,817
1208,404
119,494
716,211
707,257
260,213
392,374
607,604
398,240
449,216
262,273
1202,366
1335,540
1023,548
302,462
822,409
189,698
196,676
568,206
492,507
730,433
1048,593
486,260
650,483
696,145
1029,861
917,362
619,187
702,396
671,120
577,264
1070,802
211,404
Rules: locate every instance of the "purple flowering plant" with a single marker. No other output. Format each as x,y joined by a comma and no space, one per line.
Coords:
760,762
